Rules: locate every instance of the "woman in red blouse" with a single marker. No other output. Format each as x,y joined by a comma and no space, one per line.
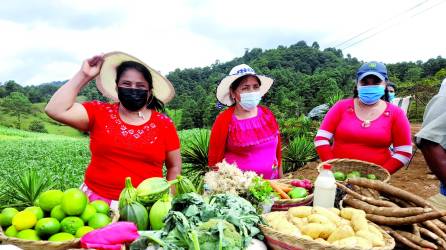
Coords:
127,138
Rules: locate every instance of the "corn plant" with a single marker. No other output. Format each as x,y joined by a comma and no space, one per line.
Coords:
299,151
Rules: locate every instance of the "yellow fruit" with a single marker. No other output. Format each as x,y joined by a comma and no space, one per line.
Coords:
11,231
24,220
35,210
101,206
28,234
71,224
47,226
61,237
49,199
99,220
58,213
88,213
74,201
83,231
6,216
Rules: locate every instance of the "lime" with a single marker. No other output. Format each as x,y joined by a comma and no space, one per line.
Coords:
298,192
71,224
371,177
74,201
88,213
47,226
57,213
11,231
24,220
35,210
353,174
49,199
83,231
101,206
28,234
339,176
7,215
61,237
99,220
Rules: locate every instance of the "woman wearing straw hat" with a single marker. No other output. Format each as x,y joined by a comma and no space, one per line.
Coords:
128,138
246,134
364,127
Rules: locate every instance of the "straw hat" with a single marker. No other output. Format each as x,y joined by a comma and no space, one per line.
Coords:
106,80
235,73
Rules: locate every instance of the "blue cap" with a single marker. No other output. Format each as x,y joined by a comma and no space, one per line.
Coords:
372,68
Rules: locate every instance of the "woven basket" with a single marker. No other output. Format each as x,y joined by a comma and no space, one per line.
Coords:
348,165
279,241
285,204
43,244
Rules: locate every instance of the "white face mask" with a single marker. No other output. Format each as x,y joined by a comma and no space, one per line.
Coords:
249,101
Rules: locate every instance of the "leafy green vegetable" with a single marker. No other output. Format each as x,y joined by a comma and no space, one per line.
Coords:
219,234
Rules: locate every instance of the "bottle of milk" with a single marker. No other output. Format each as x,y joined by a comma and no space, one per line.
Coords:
324,188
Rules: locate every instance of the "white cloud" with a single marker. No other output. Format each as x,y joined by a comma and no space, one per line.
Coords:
50,42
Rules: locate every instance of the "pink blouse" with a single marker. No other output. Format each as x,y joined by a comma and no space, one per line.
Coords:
355,139
252,144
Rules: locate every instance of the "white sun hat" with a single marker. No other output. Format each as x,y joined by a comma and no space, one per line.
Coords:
106,80
238,71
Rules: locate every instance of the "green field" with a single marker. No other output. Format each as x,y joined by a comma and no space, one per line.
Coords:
62,158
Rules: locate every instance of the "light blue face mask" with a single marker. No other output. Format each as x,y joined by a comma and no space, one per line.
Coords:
371,94
391,96
249,101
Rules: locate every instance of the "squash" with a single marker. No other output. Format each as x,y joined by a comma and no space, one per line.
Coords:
152,189
135,212
184,186
159,211
128,194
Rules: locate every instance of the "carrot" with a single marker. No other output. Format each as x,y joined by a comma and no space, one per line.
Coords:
276,188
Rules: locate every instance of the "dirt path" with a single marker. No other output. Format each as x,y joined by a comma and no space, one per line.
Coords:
416,178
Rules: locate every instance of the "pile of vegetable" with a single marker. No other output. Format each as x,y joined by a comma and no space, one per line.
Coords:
148,204
341,176
406,216
343,228
297,189
226,222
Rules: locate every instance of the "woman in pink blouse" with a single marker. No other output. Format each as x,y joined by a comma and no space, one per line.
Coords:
246,134
364,127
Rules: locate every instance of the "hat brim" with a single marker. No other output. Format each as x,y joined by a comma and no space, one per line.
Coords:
380,76
223,95
106,80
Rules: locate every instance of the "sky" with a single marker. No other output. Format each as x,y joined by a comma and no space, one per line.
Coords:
47,40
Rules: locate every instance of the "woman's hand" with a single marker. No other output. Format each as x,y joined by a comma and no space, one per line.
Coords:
91,67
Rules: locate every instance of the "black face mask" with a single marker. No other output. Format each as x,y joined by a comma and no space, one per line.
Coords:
133,99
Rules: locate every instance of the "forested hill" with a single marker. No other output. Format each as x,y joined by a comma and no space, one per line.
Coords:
305,76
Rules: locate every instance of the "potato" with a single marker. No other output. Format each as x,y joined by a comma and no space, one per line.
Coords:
301,212
318,218
334,218
286,227
341,233
306,237
275,218
348,212
313,230
298,222
352,242
343,222
375,240
321,241
375,230
335,211
359,222
329,228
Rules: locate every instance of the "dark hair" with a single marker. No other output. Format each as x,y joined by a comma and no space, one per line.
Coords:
391,84
385,97
154,103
